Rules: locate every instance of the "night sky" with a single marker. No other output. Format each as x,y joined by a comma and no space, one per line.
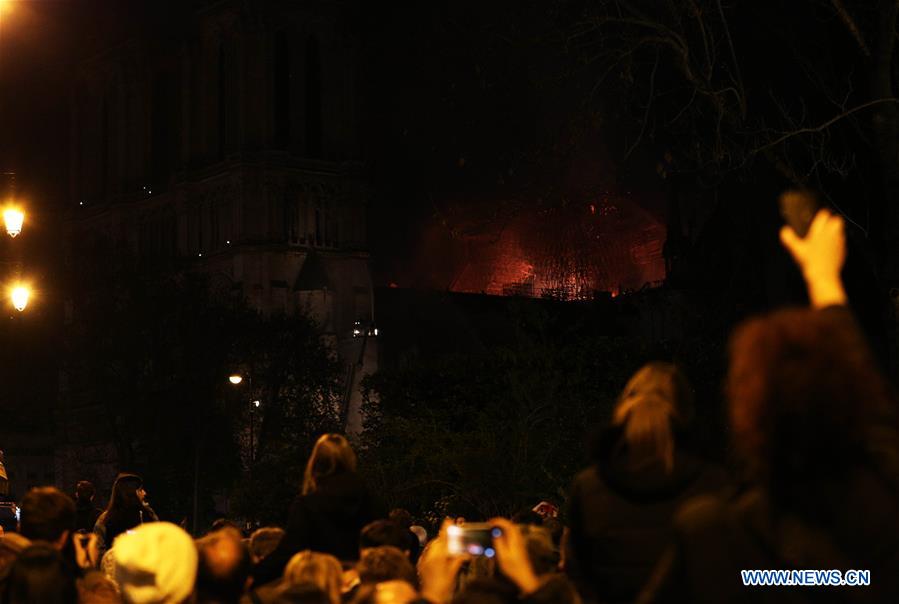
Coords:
481,118
471,128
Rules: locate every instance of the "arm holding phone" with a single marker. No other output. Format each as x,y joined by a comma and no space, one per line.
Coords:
512,557
438,568
441,561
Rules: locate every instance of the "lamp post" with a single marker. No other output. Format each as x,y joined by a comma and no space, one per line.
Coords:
253,407
237,379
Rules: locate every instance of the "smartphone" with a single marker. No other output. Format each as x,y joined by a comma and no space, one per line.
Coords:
798,207
474,538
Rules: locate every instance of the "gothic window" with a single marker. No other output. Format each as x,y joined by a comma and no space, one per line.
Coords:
296,217
325,222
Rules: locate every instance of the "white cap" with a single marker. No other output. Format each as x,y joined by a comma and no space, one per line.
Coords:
156,563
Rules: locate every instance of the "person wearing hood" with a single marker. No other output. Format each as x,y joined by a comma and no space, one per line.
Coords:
621,507
328,514
127,509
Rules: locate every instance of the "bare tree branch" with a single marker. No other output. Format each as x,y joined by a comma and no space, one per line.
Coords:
733,58
652,88
826,124
851,25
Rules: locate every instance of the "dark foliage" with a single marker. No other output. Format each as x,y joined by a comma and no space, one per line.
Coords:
150,354
497,431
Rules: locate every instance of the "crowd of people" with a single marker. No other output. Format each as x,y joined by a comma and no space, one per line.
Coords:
650,520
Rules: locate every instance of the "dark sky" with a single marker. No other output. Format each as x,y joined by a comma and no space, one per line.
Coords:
41,44
460,101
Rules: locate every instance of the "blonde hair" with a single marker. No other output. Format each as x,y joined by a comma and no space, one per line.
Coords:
332,454
322,570
656,398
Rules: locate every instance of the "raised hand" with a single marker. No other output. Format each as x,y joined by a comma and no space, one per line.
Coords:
438,568
820,256
512,556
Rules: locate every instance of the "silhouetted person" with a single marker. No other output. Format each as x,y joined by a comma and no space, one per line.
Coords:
321,570
385,563
48,515
263,541
224,566
86,513
817,427
220,523
8,521
40,576
11,545
127,509
328,514
621,508
385,532
403,518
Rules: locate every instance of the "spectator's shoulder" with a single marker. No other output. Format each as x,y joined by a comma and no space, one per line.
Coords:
587,480
701,513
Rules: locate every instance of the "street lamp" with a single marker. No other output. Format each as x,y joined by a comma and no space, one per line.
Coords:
253,409
20,295
13,218
236,379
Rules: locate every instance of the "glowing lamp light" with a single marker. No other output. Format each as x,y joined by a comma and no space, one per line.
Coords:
14,218
256,404
20,295
235,379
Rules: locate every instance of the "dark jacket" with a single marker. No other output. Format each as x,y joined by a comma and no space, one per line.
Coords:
107,532
621,519
86,514
326,521
716,538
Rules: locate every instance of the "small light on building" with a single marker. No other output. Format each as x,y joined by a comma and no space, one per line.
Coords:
376,331
256,404
227,242
200,255
81,203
